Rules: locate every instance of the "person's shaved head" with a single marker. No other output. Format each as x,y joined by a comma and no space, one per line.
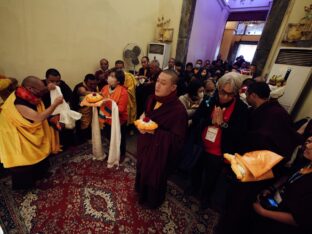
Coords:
104,64
34,85
166,83
173,75
30,80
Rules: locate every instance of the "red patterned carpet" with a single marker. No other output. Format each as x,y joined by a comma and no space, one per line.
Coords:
83,196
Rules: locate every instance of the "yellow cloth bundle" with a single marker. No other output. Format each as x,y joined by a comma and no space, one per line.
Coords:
4,84
253,166
23,143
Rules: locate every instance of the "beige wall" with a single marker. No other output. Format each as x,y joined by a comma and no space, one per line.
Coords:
247,38
228,38
227,43
297,11
294,13
171,9
73,35
231,25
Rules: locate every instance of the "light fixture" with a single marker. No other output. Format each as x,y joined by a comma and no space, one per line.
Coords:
242,2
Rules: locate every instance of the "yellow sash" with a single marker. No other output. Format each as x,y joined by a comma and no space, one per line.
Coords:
130,83
23,143
4,84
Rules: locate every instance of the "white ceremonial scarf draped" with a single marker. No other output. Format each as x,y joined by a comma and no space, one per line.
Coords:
67,116
97,149
114,146
277,92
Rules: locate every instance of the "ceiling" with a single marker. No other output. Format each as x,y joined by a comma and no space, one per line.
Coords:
252,4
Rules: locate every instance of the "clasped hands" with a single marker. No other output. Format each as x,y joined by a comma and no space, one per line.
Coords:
217,116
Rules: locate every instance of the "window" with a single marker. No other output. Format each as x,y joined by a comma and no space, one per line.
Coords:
240,30
254,29
250,28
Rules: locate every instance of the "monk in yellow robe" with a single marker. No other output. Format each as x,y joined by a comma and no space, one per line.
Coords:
130,84
26,139
7,85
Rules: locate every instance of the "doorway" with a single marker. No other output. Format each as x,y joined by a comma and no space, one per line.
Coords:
247,51
240,38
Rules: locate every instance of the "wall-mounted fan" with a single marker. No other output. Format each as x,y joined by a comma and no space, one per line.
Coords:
131,55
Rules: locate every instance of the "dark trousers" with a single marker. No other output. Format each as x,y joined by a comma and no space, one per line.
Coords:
261,225
239,214
123,131
83,135
3,171
150,196
24,177
205,175
67,138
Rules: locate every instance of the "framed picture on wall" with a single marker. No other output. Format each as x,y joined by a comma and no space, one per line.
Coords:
168,34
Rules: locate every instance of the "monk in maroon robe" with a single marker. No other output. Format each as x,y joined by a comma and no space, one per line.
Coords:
270,126
103,73
157,151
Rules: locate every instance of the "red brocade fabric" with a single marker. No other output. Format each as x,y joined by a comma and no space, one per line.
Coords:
27,95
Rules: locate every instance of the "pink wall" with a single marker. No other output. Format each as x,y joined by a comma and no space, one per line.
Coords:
208,26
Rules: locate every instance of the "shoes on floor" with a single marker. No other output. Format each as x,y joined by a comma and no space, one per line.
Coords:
122,158
190,191
204,205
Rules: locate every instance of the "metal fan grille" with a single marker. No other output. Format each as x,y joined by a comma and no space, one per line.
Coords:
131,54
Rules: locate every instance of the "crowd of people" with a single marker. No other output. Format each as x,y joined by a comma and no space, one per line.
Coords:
202,110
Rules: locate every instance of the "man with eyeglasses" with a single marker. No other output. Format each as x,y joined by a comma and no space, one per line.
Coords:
221,123
269,128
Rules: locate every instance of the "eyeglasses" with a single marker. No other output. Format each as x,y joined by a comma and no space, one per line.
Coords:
222,92
308,141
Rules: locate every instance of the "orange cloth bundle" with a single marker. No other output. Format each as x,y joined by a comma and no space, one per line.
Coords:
92,99
253,166
145,124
